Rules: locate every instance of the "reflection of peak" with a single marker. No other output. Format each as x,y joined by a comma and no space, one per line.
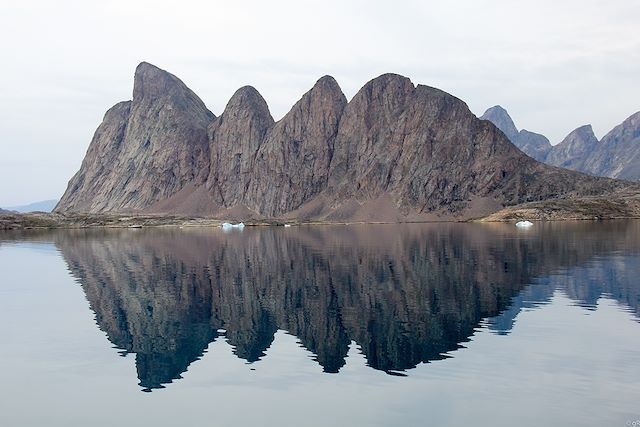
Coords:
252,341
532,296
406,294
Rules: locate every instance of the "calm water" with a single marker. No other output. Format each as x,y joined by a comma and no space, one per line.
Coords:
377,325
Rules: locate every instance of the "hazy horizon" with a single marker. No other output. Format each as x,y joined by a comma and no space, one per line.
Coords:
553,66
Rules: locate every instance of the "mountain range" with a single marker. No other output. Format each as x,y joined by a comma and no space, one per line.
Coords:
42,206
616,155
395,151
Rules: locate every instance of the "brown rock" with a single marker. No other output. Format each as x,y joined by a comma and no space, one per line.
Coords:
394,152
145,150
235,138
297,152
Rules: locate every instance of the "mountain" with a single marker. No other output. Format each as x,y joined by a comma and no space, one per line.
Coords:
574,149
42,206
145,150
531,143
617,155
6,212
395,152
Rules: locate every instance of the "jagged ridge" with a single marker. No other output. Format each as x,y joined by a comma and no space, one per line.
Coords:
396,151
617,155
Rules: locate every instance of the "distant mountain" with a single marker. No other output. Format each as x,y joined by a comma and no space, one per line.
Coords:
572,152
617,155
42,206
6,212
531,143
395,152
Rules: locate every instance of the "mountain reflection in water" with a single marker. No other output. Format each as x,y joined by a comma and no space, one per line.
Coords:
406,294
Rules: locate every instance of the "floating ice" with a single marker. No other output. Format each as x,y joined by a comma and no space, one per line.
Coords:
227,226
287,225
524,224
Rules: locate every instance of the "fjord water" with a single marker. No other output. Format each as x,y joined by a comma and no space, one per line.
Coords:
371,325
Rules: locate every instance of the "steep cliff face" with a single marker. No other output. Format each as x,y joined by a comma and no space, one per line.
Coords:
235,138
395,151
618,153
296,155
425,150
145,150
574,149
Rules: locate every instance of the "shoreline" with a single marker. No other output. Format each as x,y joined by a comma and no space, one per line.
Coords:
555,211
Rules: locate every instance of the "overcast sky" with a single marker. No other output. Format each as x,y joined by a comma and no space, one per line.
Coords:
554,65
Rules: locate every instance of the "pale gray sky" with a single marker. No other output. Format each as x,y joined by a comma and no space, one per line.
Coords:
555,65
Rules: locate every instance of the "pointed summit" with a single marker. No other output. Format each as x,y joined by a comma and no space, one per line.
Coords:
151,82
501,118
302,141
248,101
618,154
234,140
144,151
572,152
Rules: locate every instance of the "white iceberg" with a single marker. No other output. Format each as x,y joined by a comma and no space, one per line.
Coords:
227,226
524,224
287,225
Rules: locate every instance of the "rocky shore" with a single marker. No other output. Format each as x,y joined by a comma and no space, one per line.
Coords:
588,208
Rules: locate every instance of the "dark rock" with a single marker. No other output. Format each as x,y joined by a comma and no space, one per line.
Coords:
297,152
145,150
394,152
235,138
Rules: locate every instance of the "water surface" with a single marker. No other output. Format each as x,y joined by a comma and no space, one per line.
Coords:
430,324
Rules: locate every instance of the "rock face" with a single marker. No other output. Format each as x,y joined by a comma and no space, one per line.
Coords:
145,150
235,138
396,151
297,153
574,149
531,143
501,118
617,155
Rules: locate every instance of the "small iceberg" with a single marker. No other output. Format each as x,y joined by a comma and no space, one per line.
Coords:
524,224
287,225
227,226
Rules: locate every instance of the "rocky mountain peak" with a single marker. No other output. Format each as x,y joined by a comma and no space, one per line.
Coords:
582,136
302,141
247,100
329,82
395,151
145,150
388,91
501,118
628,130
574,148
151,82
